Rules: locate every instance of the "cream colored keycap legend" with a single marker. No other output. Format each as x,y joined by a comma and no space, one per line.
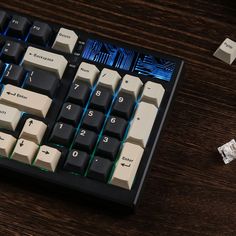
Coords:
33,130
127,166
131,85
65,40
47,158
87,73
153,93
7,143
9,117
25,100
141,125
24,151
38,58
109,78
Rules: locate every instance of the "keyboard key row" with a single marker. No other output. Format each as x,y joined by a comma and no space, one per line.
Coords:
37,32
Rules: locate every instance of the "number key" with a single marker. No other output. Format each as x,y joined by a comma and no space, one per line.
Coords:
70,113
108,147
79,93
115,127
85,140
62,134
124,105
76,161
101,99
93,120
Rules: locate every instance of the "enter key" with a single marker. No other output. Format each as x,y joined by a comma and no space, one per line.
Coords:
127,166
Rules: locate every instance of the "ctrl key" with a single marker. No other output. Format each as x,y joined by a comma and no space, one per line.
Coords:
127,166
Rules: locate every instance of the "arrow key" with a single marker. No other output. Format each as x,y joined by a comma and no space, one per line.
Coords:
33,130
24,151
47,158
7,143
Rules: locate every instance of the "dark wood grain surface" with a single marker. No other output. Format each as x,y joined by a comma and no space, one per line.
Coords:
189,190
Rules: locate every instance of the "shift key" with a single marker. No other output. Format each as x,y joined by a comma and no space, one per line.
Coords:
24,100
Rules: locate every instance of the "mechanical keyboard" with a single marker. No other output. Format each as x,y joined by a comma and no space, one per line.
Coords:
78,110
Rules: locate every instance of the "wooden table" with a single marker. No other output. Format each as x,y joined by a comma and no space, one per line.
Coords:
189,190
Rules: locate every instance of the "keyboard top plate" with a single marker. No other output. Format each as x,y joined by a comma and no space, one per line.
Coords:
86,185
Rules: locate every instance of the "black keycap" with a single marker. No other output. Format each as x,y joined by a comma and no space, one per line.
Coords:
123,106
62,134
70,113
42,82
93,120
39,33
101,99
2,67
18,27
12,52
100,169
108,147
79,93
85,140
115,127
14,74
4,18
76,161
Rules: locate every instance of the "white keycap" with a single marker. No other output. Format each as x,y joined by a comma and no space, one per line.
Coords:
142,123
87,73
109,78
131,85
65,40
226,51
33,130
47,158
9,117
25,100
153,93
7,143
127,166
24,151
38,58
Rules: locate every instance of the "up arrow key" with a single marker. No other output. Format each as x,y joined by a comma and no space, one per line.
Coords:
37,58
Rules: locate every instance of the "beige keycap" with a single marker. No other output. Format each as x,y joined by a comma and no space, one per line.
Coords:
38,58
24,151
127,166
153,93
142,123
65,40
131,85
87,73
7,143
25,100
47,158
9,117
33,130
109,78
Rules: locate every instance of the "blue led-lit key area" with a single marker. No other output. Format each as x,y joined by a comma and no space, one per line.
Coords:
92,124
